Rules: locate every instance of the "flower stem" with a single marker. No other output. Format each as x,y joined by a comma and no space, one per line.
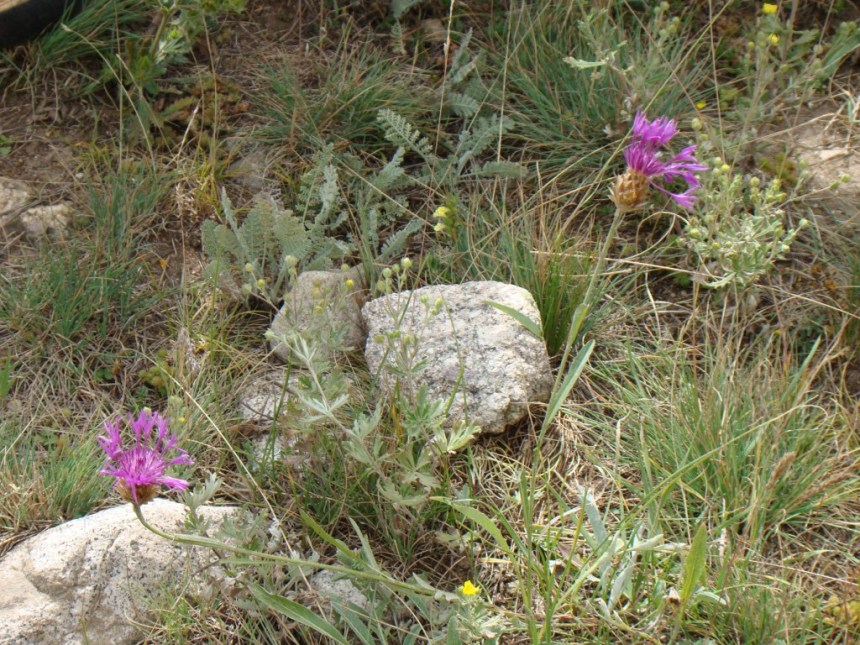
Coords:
202,541
584,307
601,257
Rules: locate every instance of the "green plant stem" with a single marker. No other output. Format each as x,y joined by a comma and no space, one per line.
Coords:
601,257
579,315
199,540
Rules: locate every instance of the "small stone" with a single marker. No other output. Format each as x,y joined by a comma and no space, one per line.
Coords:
334,586
320,305
14,195
265,397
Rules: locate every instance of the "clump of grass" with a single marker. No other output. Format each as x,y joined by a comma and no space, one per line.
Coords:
568,111
70,48
68,293
338,100
48,471
746,444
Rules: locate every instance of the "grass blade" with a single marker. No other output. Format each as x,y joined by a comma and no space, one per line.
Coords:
296,612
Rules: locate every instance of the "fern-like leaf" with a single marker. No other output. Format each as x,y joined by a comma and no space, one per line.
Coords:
400,132
462,104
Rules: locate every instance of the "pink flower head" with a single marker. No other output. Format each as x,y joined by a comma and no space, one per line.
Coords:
646,168
139,469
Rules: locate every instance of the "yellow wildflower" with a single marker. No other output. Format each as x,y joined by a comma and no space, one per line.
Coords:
440,227
700,105
469,589
441,213
768,8
773,39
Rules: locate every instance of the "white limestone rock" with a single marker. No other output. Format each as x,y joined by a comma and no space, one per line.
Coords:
322,305
19,214
495,366
45,223
14,195
86,581
267,397
334,587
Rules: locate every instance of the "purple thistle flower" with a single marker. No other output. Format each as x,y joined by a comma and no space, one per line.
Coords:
139,469
645,168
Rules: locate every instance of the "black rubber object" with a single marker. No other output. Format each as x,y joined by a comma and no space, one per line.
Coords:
23,20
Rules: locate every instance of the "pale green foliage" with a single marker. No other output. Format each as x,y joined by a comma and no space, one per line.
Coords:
464,89
400,8
464,92
779,67
379,203
635,569
407,465
267,246
272,242
445,172
742,231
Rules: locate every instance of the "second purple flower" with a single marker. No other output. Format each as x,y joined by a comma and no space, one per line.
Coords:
646,169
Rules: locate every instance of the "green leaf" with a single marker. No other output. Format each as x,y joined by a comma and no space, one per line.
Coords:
482,521
573,372
351,615
520,317
296,612
453,636
5,379
694,564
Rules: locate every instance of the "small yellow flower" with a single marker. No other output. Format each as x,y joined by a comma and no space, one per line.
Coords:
773,39
768,8
469,589
441,213
440,227
700,105
350,283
